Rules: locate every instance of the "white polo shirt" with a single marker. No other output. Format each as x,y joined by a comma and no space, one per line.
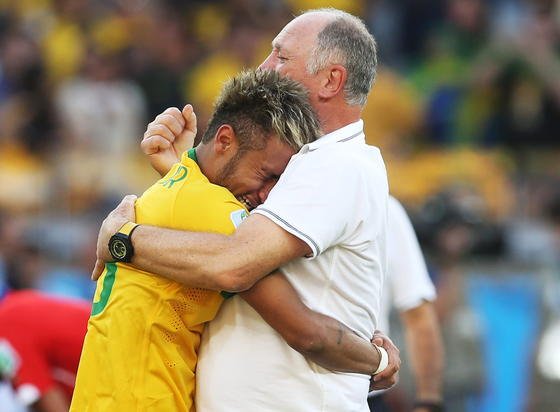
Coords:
408,283
333,195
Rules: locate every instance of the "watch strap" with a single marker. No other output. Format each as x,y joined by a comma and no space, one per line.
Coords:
128,228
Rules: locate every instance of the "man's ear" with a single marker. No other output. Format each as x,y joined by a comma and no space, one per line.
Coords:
333,81
225,140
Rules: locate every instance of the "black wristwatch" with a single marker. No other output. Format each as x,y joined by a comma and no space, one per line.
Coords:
120,245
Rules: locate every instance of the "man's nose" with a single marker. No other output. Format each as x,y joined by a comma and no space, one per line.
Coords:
267,63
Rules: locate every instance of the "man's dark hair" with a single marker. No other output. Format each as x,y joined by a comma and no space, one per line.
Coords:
259,104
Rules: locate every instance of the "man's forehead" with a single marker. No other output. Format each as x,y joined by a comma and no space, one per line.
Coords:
304,26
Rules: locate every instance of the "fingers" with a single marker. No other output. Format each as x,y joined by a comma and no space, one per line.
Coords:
97,270
389,376
389,372
173,129
384,383
154,144
159,129
126,208
168,124
377,341
173,118
190,118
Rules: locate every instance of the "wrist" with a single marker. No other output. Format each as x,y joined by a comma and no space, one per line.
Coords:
120,244
383,359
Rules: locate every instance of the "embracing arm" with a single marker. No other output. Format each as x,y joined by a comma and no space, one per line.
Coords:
204,260
214,261
318,337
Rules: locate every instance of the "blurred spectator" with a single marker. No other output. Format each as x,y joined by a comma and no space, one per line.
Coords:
522,72
451,221
101,113
101,110
40,344
160,60
454,113
409,289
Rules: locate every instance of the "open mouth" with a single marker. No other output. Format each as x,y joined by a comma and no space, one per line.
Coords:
246,202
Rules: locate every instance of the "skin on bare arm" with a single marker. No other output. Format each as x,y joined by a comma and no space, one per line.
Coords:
423,339
234,263
53,400
318,337
124,212
168,136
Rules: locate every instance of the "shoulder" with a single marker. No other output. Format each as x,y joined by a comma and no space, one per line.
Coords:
344,157
396,210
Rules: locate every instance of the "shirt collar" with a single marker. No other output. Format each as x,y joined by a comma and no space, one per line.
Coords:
349,132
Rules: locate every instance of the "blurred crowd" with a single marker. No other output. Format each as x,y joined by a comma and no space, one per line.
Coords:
466,110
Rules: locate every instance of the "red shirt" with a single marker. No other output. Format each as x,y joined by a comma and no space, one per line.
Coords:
47,334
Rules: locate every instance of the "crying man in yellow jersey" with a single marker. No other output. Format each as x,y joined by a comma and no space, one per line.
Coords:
140,351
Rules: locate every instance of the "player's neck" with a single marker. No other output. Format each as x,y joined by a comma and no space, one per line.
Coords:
204,160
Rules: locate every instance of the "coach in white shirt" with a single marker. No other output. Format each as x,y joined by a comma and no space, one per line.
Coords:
348,246
324,223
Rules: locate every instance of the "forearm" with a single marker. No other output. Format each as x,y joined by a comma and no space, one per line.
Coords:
341,349
213,261
185,257
425,347
318,337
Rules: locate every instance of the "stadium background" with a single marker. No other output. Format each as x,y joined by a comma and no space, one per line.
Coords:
466,109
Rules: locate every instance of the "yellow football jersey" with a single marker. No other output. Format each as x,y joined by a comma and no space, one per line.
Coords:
141,346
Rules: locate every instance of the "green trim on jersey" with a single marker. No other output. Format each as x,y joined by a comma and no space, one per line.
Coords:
227,295
192,155
108,283
179,175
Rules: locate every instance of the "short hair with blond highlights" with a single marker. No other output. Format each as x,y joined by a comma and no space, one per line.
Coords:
259,104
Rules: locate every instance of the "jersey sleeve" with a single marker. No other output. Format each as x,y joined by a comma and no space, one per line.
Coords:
208,209
408,276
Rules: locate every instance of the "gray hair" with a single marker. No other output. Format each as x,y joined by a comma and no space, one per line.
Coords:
260,103
346,41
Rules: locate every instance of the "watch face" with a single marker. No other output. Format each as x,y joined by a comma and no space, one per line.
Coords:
118,249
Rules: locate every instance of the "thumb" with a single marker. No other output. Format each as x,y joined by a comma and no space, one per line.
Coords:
154,144
377,341
128,200
126,208
98,269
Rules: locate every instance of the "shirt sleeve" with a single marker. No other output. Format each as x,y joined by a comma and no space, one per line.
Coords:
317,202
210,210
408,276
